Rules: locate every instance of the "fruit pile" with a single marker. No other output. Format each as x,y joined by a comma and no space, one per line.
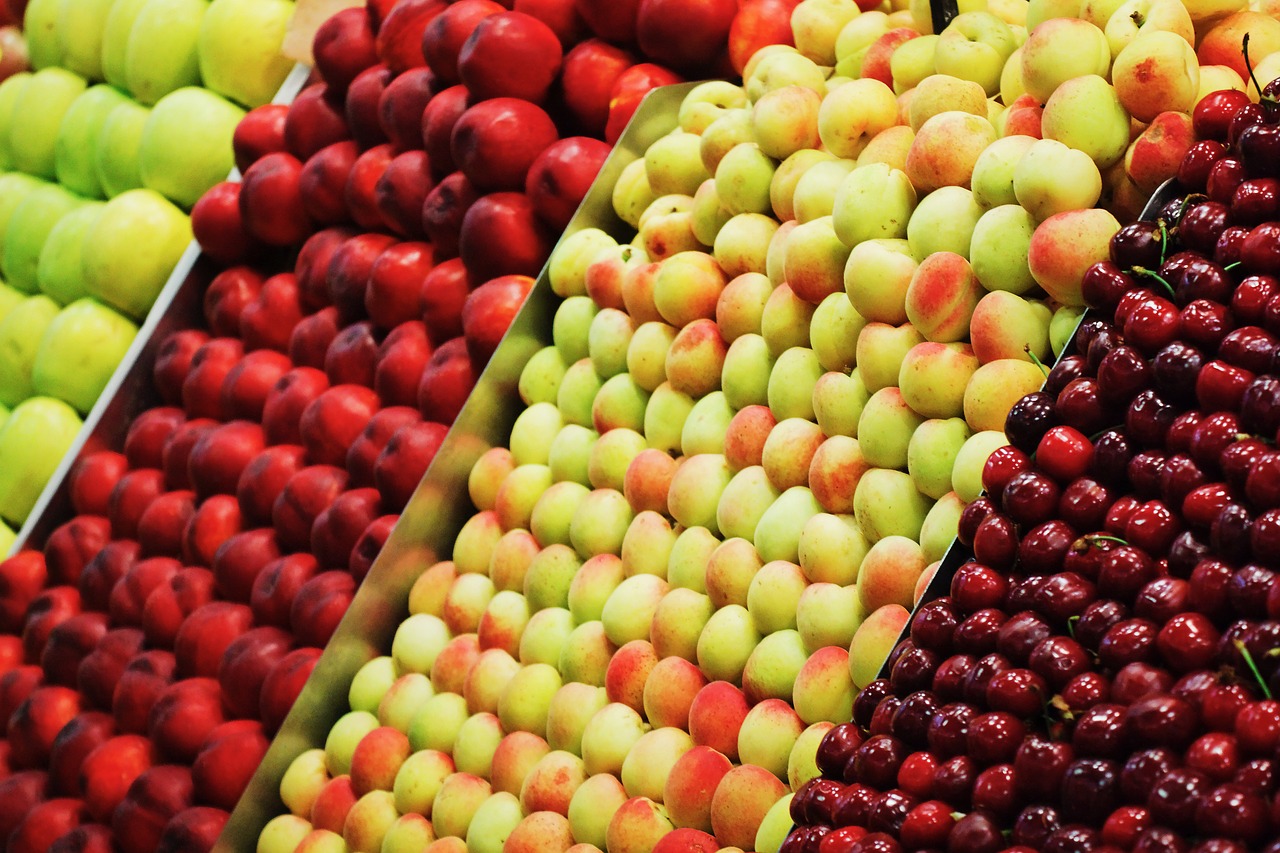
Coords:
94,168
1101,674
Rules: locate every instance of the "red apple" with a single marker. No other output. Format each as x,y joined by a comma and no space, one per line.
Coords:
400,192
352,356
220,457
71,546
140,685
559,15
283,684
336,529
101,669
360,192
348,273
85,838
343,47
183,716
391,294
205,635
202,386
305,496
323,182
45,823
312,266
76,740
226,297
177,450
50,608
587,77
259,133
759,23
333,420
444,292
687,36
240,560
512,55
615,22
438,119
264,479
271,202
22,577
364,451
169,604
402,103
315,119
19,794
144,443
405,460
227,760
559,179
69,643
268,321
110,769
488,313
218,226
93,477
402,357
217,518
129,596
443,38
245,665
36,722
447,382
196,828
15,686
276,585
507,220
154,797
496,141
164,522
443,210
369,545
319,607
105,570
288,400
629,89
131,496
245,388
400,33
312,336
362,105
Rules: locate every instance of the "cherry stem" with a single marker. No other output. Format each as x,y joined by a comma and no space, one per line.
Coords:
1095,538
1164,240
1146,273
1037,362
1232,265
1253,667
1071,625
1248,63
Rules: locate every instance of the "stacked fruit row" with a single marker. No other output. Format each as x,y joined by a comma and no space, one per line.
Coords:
167,628
149,141
1103,673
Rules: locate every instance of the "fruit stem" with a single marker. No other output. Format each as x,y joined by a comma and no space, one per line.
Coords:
1248,63
1071,625
1253,667
1095,538
1037,362
1164,240
1232,265
1146,273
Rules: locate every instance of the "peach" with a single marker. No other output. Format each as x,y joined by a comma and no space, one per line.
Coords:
696,358
1221,44
716,715
637,826
526,701
1064,246
585,653
677,622
691,784
510,560
995,387
493,671
647,546
516,755
592,809
420,779
729,571
627,673
687,561
1155,155
740,803
540,832
945,149
428,592
788,451
1005,325
941,297
834,470
933,375
872,642
551,783
648,480
889,572
570,709
687,287
377,759
746,435
767,736
651,759
823,688
673,684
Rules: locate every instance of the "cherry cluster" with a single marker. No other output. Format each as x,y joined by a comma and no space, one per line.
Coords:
1100,676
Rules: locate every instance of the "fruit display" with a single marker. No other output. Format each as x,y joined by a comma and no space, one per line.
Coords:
1101,675
106,144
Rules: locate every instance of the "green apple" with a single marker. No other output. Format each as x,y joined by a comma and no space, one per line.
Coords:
75,150
28,228
79,352
80,29
60,272
132,248
162,54
37,434
239,49
42,104
14,189
186,144
116,160
10,89
115,40
20,335
40,24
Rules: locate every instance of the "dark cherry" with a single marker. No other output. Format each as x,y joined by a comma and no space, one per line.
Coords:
976,587
977,634
979,678
1212,435
836,747
1211,118
853,804
993,737
1135,680
1207,588
1112,451
1162,719
1230,241
1255,201
953,781
1058,660
1229,536
1090,788
1162,598
995,542
1123,825
1063,596
1126,642
1084,504
1250,347
995,792
1122,373
1105,282
934,624
1039,765
970,517
1257,774
948,680
1001,466
1248,589
882,717
1138,244
913,670
1152,527
1068,367
1220,185
1202,280
949,728
1264,537
1079,405
1149,417
1188,641
1220,386
1202,505
1174,370
875,763
868,698
1096,620
927,826
1260,485
1260,251
1258,146
1146,470
976,832
1035,824
1202,223
1084,691
1193,171
1216,755
1173,798
1260,405
1257,727
1153,323
1245,117
1159,839
915,776
1021,633
1186,552
1206,322
1021,692
911,721
889,811
1249,299
1238,458
1074,838
1044,548
1101,731
1142,769
1028,419
1233,813
1178,439
1180,476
